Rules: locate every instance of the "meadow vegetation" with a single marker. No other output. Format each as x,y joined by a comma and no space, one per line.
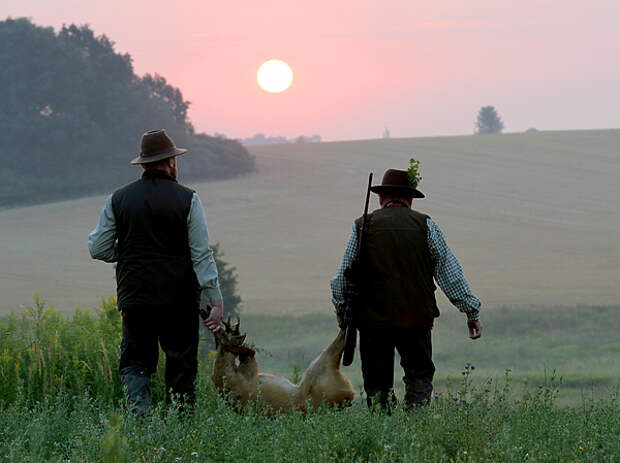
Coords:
61,400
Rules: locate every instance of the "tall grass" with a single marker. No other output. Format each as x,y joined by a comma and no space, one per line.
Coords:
471,425
43,354
61,401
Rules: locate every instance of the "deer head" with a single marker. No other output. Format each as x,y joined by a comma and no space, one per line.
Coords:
230,339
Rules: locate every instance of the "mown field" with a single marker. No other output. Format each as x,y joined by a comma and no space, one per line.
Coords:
532,217
61,400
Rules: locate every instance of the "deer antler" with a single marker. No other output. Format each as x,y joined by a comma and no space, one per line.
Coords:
236,327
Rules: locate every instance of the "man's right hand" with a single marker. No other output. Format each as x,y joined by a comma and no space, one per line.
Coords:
475,329
215,317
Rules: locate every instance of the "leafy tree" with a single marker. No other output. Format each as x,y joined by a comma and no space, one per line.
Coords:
488,121
228,283
72,113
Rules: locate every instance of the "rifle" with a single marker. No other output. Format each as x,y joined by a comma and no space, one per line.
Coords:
353,287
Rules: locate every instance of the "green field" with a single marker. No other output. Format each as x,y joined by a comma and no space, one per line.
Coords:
61,399
577,346
581,349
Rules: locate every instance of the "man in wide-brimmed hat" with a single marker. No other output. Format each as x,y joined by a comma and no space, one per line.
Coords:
156,231
403,251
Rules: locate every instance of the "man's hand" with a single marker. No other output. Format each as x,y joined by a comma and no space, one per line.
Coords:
215,317
475,329
340,320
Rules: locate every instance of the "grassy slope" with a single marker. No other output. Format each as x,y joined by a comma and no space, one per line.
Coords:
532,343
532,217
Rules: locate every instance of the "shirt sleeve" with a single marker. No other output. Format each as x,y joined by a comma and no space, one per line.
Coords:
201,253
449,274
102,240
338,282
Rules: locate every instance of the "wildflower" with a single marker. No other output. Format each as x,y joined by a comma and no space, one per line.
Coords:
473,367
580,448
194,454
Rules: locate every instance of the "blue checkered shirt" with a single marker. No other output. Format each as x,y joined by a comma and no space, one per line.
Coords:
447,272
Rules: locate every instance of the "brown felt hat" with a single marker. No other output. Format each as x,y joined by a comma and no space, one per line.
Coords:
396,182
155,146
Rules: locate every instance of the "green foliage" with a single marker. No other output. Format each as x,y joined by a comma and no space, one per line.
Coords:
43,353
473,424
114,445
60,401
488,121
73,111
414,173
228,283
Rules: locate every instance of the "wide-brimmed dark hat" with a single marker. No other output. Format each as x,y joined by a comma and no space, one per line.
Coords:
396,182
155,146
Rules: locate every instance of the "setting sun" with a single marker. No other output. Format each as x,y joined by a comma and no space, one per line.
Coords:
274,76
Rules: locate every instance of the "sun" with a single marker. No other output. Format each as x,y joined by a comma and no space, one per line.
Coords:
274,76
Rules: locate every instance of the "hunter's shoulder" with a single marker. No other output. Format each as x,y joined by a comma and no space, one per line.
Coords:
360,219
127,187
186,189
419,214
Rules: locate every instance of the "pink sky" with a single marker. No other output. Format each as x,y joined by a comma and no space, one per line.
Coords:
417,67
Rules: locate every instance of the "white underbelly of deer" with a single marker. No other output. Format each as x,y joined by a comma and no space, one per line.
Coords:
235,374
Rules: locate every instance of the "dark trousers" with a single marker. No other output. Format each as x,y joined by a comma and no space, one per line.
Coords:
144,329
377,346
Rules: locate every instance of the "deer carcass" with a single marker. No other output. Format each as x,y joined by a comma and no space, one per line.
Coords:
235,373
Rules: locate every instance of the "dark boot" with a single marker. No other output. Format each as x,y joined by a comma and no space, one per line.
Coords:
417,392
137,384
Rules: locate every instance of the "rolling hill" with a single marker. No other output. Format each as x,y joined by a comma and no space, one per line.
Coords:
533,218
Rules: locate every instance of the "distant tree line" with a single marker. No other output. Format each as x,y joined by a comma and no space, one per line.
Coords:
72,112
261,139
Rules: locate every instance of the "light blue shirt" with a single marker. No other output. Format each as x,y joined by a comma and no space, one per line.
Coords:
102,244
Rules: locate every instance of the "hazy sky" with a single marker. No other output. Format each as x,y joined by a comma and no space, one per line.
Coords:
416,67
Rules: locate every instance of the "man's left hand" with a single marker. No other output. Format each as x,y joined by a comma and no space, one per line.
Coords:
215,317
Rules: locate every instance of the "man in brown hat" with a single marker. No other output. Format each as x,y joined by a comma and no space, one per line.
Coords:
403,251
156,232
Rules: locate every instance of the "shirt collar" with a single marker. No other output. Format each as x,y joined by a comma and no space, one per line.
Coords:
394,203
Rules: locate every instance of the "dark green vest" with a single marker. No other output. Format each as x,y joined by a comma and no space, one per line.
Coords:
154,266
398,270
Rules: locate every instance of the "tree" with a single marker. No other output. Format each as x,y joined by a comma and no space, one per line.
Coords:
227,276
488,121
72,112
